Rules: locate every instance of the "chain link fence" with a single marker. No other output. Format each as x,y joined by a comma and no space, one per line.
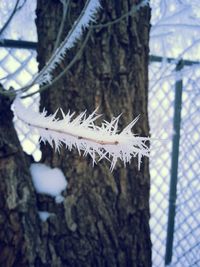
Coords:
161,107
178,244
18,66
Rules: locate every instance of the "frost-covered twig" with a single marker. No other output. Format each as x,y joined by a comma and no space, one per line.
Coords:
86,16
62,24
82,134
66,69
44,77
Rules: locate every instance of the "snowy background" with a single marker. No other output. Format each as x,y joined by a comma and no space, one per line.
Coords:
175,34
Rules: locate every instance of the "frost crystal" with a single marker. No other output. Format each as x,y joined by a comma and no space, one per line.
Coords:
81,133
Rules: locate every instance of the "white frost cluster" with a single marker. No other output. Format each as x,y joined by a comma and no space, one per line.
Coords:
48,181
82,134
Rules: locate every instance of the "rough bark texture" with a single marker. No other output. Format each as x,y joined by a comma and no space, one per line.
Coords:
104,219
18,215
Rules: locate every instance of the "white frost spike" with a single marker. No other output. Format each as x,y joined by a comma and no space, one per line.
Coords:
82,134
86,16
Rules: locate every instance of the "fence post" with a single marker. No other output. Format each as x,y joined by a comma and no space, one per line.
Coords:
174,165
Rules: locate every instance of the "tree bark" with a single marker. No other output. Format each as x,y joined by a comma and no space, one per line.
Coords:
104,219
18,213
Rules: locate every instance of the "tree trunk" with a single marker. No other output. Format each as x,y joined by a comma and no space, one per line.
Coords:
104,219
18,214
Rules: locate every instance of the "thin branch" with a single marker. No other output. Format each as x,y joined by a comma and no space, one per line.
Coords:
74,34
82,21
15,9
132,12
20,7
65,9
13,93
68,67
